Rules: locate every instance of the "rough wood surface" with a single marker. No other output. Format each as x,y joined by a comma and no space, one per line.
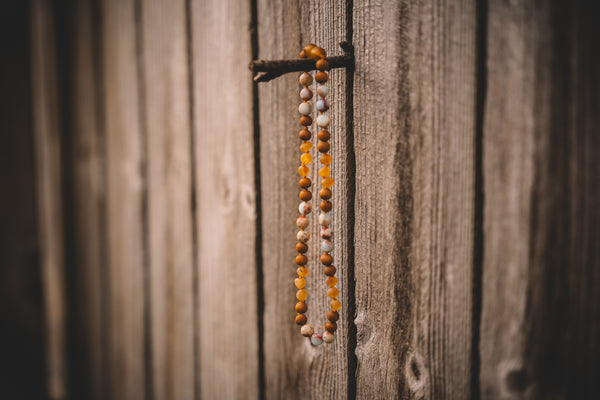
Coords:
226,200
47,145
126,208
294,369
167,126
414,130
540,316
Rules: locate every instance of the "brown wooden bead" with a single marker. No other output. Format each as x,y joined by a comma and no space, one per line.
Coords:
330,326
326,259
321,77
326,206
322,65
305,182
301,307
305,120
305,134
301,247
301,259
324,135
325,193
323,147
305,195
301,319
331,315
329,271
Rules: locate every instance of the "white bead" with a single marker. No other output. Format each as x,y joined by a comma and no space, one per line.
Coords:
325,219
316,339
322,106
326,246
306,94
304,208
323,121
323,90
304,108
302,236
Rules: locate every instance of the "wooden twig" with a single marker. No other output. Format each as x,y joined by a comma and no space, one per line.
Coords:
271,69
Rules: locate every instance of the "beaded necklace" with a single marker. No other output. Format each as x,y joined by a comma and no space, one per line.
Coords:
318,54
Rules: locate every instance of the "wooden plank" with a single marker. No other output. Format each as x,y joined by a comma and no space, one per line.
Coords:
293,368
87,163
540,316
125,201
414,137
47,144
226,200
167,123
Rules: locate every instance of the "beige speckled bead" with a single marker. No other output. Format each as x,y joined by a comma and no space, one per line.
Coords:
305,79
307,330
328,337
302,236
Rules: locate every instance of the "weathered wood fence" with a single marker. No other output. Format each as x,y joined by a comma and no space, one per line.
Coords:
466,152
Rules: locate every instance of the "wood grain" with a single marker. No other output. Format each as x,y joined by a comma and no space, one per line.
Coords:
167,125
293,368
414,129
47,146
540,317
226,200
88,188
126,186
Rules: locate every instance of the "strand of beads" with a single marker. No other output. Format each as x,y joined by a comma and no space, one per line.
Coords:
305,195
325,193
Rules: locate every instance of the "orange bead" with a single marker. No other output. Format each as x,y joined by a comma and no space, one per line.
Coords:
333,292
302,295
306,158
302,272
303,170
305,146
327,182
300,283
330,281
335,304
316,52
325,159
325,171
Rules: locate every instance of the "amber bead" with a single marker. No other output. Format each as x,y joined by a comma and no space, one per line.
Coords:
329,270
330,326
316,52
326,259
302,272
322,65
325,193
321,77
305,134
301,294
303,54
301,319
305,146
303,170
305,158
325,159
305,182
333,292
305,195
327,182
325,171
331,281
308,48
331,315
324,135
305,120
301,247
300,283
323,147
326,206
335,304
301,259
301,307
